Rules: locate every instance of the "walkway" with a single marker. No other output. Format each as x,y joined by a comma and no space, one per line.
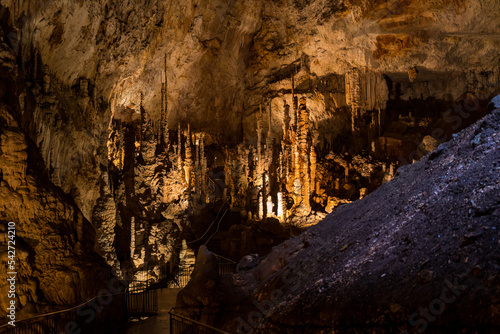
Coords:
159,323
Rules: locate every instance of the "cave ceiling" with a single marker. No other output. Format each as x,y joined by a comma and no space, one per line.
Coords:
225,58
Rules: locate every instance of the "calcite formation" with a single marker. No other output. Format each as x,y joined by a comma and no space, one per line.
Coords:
54,242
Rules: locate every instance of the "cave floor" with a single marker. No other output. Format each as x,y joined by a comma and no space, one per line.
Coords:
159,323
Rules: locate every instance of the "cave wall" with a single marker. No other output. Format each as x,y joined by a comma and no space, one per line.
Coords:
54,243
94,77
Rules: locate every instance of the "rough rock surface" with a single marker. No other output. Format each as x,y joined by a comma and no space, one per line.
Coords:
200,291
420,253
54,242
217,50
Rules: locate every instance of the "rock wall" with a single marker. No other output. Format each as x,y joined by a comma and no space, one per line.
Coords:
54,242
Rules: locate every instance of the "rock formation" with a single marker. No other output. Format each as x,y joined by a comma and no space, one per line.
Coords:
419,253
54,242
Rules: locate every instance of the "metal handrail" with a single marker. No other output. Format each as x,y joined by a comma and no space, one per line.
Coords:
225,258
194,323
62,311
66,312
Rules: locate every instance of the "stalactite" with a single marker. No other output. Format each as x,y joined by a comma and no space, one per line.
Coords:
164,109
353,96
286,120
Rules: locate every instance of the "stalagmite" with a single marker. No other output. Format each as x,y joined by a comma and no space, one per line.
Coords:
286,120
303,126
197,166
264,195
35,64
179,149
269,206
79,227
313,170
259,141
84,87
294,106
164,109
261,206
306,193
144,121
132,237
121,147
280,168
203,166
281,207
46,79
188,162
412,74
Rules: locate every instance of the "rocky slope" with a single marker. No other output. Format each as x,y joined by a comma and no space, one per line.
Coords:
420,253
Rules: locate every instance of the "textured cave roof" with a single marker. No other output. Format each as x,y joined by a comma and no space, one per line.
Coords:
222,55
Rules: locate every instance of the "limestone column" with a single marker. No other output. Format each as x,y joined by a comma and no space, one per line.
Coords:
144,122
259,141
121,147
188,164
179,149
203,166
312,158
